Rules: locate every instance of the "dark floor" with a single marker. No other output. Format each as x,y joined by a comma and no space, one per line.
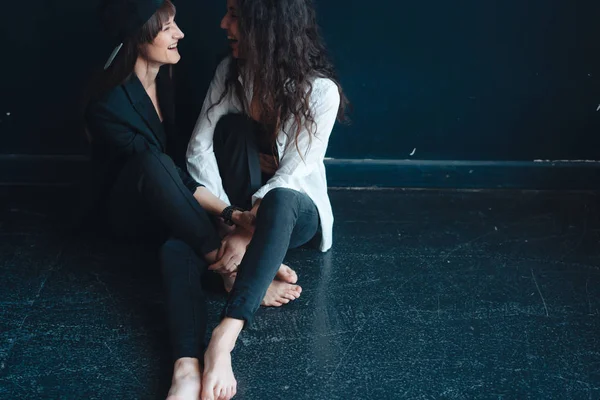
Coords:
426,295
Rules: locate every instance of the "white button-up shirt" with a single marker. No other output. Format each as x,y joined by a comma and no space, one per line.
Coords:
302,171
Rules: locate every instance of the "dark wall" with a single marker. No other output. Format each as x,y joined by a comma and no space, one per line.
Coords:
469,80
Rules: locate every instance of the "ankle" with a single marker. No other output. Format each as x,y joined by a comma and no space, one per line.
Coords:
186,366
225,334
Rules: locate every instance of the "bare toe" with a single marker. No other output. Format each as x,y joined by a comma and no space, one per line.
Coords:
295,291
286,274
289,297
207,391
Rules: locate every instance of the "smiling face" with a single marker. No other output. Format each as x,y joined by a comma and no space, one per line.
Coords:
163,49
230,24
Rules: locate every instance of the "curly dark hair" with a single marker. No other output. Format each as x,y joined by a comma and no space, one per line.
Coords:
280,51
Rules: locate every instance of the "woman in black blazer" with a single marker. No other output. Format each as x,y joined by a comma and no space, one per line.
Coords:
139,191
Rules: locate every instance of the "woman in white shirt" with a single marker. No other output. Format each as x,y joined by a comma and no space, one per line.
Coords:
258,150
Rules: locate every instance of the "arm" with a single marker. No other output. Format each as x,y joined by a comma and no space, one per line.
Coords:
122,141
209,201
294,164
187,180
201,160
113,134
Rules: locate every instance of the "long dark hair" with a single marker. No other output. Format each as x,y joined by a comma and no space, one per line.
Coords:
122,67
280,51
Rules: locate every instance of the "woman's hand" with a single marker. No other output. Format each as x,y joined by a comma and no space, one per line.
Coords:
244,219
233,248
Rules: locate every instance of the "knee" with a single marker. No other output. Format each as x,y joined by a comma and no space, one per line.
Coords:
232,127
173,257
279,203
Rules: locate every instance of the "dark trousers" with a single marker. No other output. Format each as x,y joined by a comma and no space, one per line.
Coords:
150,197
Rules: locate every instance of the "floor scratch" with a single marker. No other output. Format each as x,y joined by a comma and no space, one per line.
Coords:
359,330
540,292
123,365
587,293
30,303
460,246
580,241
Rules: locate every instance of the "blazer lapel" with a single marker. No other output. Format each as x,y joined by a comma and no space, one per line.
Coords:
143,106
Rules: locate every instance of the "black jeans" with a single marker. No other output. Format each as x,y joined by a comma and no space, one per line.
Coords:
149,200
150,197
286,218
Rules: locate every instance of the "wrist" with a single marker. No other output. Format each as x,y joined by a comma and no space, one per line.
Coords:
227,214
242,233
236,214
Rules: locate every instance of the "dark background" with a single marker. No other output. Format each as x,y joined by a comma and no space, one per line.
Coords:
426,293
469,80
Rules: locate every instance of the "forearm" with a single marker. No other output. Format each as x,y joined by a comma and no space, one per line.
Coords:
209,201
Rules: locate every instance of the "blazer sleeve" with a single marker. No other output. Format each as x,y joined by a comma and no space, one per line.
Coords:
113,133
123,142
187,180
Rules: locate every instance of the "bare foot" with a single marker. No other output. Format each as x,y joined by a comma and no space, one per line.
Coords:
280,293
286,274
186,381
218,382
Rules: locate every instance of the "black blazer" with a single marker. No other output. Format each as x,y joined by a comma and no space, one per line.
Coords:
123,123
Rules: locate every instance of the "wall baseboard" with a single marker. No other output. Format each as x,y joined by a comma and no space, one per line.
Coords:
61,170
542,175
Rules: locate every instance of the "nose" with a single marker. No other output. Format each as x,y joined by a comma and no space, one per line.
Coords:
225,22
178,33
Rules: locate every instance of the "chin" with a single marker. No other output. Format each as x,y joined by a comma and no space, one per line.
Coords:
173,60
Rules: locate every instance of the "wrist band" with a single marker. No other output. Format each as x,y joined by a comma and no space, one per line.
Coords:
228,212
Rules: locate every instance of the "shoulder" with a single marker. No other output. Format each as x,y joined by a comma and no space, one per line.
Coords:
223,67
325,92
112,102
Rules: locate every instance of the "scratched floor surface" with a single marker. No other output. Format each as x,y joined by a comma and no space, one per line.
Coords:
426,295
